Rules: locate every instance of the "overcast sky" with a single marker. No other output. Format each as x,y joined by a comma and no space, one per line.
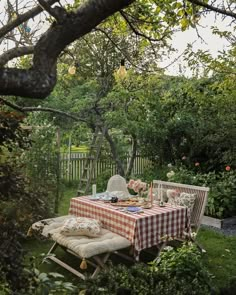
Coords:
211,42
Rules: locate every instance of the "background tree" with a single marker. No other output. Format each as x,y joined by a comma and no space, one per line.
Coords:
193,123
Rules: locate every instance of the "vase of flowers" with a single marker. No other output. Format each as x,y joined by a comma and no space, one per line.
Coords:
138,187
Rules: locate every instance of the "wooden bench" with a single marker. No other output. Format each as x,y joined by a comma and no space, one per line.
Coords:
94,251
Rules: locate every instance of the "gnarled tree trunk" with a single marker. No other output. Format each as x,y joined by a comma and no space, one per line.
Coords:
133,156
115,156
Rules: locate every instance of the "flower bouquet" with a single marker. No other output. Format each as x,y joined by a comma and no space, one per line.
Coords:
137,186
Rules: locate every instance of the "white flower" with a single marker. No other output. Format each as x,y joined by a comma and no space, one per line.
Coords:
168,248
169,165
170,174
193,235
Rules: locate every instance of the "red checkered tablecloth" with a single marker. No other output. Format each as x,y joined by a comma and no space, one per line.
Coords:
143,230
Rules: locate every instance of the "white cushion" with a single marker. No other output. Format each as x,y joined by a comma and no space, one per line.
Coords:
83,246
81,226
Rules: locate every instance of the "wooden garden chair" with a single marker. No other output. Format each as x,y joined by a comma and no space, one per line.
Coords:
94,251
160,188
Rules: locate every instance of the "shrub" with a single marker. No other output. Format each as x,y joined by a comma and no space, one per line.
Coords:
222,196
41,161
184,269
174,272
20,206
102,180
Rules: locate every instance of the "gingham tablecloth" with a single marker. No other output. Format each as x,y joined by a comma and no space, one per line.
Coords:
144,230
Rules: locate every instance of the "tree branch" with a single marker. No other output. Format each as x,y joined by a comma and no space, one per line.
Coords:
15,52
41,109
23,18
12,105
58,13
39,81
138,33
213,8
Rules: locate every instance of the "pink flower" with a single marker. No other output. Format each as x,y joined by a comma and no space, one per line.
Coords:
143,186
184,158
137,185
227,168
197,164
131,183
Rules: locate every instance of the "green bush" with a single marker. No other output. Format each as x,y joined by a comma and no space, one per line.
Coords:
20,205
102,180
222,195
175,272
184,268
192,118
154,173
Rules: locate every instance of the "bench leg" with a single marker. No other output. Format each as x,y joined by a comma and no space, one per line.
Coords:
50,255
53,248
101,263
66,266
98,265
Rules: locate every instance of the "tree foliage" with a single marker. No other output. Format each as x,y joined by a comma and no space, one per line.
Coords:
151,21
195,122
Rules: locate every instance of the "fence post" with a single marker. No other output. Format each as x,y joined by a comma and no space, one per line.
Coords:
78,160
69,159
58,175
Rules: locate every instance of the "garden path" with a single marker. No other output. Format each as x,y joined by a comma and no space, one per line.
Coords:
230,231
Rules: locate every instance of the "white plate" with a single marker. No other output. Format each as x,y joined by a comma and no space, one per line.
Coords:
106,198
96,198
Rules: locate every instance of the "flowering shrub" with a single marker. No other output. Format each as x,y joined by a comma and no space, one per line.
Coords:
221,198
170,174
227,168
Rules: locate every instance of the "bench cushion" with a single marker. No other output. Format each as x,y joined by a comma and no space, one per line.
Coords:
83,246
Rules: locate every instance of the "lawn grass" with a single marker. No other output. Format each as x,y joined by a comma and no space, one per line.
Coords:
36,247
220,256
69,192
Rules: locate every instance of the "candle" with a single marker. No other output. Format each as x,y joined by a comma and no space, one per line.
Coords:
161,195
94,190
151,194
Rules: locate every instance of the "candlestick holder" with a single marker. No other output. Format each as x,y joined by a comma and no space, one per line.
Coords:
147,205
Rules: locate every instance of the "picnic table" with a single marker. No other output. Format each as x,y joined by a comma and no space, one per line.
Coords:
143,230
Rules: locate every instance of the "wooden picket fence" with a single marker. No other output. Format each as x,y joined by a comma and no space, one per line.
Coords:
72,165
